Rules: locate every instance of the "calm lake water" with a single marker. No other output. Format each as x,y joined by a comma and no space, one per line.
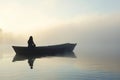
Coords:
60,68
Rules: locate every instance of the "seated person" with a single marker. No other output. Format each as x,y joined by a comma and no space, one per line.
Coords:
31,43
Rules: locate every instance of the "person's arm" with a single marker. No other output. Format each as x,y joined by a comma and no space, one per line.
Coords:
34,44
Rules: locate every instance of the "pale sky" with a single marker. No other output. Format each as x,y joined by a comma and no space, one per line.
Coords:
27,15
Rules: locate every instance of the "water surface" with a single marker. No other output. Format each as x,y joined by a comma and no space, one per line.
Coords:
58,68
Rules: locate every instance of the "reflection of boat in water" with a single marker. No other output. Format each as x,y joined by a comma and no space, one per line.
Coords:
54,50
22,58
31,58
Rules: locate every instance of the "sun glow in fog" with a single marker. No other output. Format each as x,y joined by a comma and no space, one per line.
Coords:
22,17
24,25
25,17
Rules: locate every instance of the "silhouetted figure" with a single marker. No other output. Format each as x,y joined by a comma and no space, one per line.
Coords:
31,43
30,62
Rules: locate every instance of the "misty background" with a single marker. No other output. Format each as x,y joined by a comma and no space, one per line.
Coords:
97,37
94,25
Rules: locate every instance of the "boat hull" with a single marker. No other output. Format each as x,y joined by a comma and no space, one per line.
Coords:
54,50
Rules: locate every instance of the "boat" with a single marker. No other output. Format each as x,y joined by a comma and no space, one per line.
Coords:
52,50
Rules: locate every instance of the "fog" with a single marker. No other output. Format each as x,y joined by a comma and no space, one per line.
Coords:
97,36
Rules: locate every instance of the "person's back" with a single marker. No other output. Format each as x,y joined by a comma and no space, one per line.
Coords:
31,43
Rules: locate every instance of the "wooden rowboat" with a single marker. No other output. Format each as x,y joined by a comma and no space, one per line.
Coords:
52,50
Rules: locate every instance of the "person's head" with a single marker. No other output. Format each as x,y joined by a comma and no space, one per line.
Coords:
31,37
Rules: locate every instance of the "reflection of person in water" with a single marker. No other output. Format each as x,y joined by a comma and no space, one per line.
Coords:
30,62
31,43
